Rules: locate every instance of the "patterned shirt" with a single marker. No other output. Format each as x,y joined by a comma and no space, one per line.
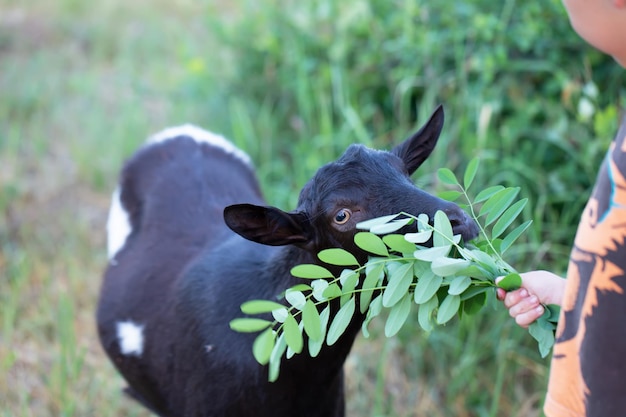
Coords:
588,371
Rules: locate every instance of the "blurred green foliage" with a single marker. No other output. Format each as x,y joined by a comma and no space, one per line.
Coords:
520,89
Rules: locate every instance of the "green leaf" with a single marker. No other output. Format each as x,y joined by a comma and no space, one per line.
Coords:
474,291
366,225
295,298
260,306
310,271
290,353
420,267
450,195
349,280
430,254
513,236
277,353
487,193
319,286
425,313
263,345
311,321
544,335
400,279
340,322
474,304
443,229
374,310
446,176
398,315
555,312
475,271
485,261
293,334
300,287
510,282
369,242
398,243
496,243
497,203
391,227
333,291
458,285
373,274
315,346
470,173
337,256
505,201
448,266
427,286
507,218
422,223
419,237
448,308
249,325
280,314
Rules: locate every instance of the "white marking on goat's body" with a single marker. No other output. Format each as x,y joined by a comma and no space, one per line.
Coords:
118,225
201,136
130,337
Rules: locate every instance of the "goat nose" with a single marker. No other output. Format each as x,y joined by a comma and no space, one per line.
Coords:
462,224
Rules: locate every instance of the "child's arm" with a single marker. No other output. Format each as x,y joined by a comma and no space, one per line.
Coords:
538,287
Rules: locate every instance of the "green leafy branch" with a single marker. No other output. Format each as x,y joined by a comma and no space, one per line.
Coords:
430,268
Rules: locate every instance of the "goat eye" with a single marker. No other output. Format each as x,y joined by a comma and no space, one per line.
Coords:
342,216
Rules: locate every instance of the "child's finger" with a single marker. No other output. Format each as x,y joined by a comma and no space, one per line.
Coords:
500,294
526,319
514,297
525,305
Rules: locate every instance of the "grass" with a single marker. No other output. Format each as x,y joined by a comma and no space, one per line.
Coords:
79,94
293,84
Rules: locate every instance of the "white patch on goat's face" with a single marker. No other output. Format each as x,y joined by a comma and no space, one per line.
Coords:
118,225
200,136
130,337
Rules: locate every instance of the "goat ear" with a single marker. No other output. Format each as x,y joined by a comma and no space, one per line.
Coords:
267,225
414,150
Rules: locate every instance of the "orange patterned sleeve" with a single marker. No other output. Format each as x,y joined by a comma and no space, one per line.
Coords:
588,371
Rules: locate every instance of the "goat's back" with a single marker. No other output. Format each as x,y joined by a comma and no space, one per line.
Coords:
167,209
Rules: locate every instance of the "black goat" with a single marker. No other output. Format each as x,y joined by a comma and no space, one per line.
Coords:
178,273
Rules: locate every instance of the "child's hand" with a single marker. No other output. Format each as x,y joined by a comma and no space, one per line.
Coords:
525,303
